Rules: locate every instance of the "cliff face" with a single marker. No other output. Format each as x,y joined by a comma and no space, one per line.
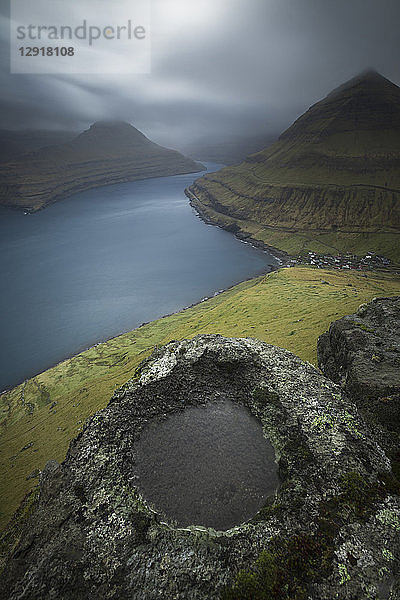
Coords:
333,529
361,352
104,154
336,168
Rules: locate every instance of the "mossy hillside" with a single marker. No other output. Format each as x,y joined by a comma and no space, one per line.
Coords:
334,171
10,537
244,191
294,241
289,308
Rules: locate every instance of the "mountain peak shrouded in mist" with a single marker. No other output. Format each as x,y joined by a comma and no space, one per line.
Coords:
368,101
106,153
112,136
111,124
120,128
370,86
335,169
99,127
369,79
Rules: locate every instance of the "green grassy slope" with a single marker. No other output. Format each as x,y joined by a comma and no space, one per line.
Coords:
289,308
336,169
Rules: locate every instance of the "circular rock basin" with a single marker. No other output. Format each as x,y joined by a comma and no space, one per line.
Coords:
207,465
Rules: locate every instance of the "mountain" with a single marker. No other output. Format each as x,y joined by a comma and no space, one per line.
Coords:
107,153
15,143
331,181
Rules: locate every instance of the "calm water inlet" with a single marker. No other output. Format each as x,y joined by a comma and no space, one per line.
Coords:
209,465
102,262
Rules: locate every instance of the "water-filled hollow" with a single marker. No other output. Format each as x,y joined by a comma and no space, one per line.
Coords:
206,465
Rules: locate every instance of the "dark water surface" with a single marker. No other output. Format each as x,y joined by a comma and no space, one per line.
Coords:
208,465
102,262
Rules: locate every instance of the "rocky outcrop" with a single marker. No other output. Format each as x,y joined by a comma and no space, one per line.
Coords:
361,352
331,531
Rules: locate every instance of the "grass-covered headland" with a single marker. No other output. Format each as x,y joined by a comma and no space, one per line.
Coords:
288,308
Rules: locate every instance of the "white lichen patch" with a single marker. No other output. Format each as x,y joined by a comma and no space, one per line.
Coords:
159,369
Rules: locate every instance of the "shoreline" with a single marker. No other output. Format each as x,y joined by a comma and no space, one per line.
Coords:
176,312
69,193
286,259
241,235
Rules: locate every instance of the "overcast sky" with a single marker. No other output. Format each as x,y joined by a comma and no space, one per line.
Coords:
219,68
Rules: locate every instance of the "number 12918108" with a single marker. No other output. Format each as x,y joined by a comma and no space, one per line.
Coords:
47,51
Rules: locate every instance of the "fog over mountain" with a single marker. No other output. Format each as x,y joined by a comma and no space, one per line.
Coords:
219,67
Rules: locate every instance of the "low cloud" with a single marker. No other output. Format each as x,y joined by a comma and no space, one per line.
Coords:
219,67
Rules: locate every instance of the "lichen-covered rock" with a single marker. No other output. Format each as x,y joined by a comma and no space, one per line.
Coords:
332,531
361,352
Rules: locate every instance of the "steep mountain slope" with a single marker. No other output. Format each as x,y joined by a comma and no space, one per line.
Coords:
108,152
336,169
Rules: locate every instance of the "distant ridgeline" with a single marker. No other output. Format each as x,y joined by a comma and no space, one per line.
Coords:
107,153
336,170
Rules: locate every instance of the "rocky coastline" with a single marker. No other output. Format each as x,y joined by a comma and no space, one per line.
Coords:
234,228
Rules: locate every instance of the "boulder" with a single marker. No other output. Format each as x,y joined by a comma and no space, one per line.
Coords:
331,531
361,352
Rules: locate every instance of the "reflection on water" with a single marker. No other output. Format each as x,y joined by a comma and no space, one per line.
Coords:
208,465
